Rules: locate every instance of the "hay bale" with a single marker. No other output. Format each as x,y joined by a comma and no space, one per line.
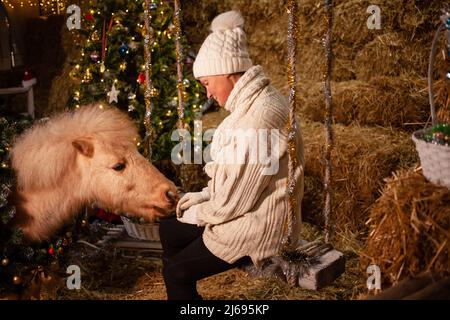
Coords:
350,19
266,27
362,157
311,61
400,47
409,228
387,101
391,54
63,86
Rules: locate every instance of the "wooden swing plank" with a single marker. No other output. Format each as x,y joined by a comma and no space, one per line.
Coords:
330,266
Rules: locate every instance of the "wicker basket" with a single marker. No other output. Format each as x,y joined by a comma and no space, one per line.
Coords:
434,158
147,231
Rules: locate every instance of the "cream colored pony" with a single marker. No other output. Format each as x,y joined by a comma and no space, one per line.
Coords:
83,157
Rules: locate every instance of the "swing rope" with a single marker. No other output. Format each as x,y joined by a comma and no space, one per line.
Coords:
296,260
179,54
328,181
290,223
149,90
431,62
293,206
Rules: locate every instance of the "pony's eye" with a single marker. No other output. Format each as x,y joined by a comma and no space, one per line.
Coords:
119,166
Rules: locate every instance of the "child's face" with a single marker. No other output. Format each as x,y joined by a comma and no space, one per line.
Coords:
218,87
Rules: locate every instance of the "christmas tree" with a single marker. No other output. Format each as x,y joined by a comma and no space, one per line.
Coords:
111,68
24,268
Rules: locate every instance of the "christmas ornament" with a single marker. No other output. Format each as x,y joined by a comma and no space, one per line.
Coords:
141,78
95,56
102,67
95,36
87,76
440,134
124,50
113,94
17,280
89,16
154,92
186,83
5,262
27,75
133,45
153,6
28,78
131,96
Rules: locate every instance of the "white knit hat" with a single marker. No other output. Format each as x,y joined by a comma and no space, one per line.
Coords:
224,51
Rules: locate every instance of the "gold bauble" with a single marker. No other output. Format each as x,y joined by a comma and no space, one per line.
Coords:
17,280
87,77
95,36
154,93
5,262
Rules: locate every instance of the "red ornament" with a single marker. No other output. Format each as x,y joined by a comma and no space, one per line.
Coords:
89,17
108,216
27,75
60,250
51,251
141,78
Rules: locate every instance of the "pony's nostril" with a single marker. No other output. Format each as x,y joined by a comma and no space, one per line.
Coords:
171,196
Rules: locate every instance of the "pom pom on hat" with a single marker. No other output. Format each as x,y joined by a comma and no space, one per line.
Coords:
227,20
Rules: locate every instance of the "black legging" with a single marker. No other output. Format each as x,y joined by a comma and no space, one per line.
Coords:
187,260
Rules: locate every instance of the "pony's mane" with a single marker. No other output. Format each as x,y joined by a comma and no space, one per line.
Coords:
44,153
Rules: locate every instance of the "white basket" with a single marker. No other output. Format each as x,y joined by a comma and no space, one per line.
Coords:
147,231
434,158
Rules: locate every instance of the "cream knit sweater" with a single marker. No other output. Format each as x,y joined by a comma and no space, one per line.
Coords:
247,210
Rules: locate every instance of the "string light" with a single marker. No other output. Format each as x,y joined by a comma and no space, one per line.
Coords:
45,7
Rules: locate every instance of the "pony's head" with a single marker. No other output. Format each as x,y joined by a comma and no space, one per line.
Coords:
90,155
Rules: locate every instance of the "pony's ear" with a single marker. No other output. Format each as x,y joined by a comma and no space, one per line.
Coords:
84,146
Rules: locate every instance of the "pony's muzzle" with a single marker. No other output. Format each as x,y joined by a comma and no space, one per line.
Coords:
170,195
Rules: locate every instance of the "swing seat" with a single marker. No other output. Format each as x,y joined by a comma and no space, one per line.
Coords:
329,265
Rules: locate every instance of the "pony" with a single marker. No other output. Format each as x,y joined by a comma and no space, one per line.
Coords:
82,157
